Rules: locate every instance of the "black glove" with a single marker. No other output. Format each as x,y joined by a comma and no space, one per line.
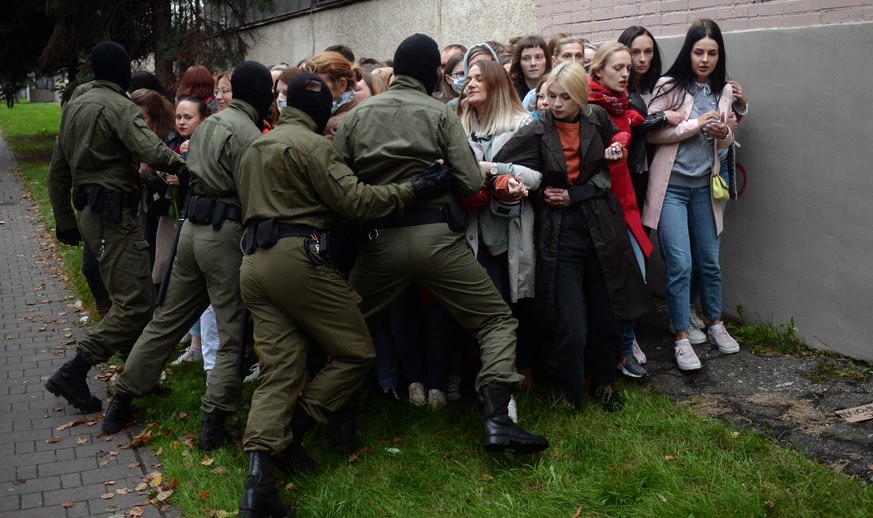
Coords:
70,237
433,181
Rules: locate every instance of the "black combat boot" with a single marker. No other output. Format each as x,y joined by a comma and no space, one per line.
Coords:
294,459
70,382
607,396
260,498
212,434
343,439
499,431
120,411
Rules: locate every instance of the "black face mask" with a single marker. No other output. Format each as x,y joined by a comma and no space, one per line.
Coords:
418,56
251,82
111,63
309,93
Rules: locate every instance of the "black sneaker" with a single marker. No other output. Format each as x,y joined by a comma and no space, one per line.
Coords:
608,397
630,366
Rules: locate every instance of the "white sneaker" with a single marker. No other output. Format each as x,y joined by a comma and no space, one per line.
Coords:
695,320
416,394
436,398
695,336
638,353
254,371
720,337
190,355
686,358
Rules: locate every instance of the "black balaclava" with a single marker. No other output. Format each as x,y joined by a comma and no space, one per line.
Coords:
309,93
418,56
251,82
111,63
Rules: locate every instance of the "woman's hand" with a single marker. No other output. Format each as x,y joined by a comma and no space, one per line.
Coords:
673,117
517,188
708,118
717,130
555,197
171,179
614,152
183,147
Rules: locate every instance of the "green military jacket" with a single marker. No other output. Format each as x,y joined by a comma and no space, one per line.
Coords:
296,176
102,140
393,136
216,148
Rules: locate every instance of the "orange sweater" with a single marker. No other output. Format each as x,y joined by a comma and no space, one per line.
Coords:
572,144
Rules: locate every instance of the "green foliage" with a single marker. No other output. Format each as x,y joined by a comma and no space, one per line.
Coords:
764,337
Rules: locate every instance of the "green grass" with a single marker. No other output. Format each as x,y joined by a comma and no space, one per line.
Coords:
652,459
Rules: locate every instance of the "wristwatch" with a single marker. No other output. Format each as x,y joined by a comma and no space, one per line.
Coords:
494,170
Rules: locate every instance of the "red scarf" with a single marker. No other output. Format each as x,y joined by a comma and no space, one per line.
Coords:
613,103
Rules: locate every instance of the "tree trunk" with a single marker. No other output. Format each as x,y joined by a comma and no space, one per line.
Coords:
161,31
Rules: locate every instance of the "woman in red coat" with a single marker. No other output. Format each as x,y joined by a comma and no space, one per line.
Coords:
607,88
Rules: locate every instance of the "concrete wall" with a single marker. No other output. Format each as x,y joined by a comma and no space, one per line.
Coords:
374,28
600,20
799,242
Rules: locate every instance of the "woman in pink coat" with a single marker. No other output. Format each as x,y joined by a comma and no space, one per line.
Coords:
679,202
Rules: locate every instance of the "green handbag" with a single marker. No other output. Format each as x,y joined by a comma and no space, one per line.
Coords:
720,190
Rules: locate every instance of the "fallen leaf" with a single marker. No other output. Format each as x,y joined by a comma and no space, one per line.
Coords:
113,453
485,476
204,494
122,491
661,497
136,512
290,486
163,495
770,503
52,440
81,440
57,408
159,452
107,496
142,486
183,416
110,482
133,465
67,505
220,470
669,457
155,479
18,482
104,462
208,462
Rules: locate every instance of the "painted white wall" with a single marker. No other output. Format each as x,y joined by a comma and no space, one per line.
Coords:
376,27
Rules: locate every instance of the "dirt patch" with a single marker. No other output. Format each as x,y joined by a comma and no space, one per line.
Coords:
800,412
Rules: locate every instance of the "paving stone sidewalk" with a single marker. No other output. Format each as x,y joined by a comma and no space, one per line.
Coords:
47,468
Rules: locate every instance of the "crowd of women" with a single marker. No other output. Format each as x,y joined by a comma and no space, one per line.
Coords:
586,147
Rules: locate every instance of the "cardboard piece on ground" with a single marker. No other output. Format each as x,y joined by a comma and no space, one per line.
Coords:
856,414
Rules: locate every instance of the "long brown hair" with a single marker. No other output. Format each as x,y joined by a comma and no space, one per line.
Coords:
335,66
161,112
503,107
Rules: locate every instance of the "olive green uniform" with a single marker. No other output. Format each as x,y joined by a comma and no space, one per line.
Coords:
102,140
295,176
389,139
206,267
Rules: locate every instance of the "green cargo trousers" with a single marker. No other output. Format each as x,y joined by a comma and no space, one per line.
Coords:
125,268
292,301
206,269
440,261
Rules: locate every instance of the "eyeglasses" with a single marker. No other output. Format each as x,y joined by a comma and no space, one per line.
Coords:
222,91
456,75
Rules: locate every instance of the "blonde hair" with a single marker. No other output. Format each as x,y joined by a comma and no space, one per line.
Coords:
335,66
602,56
573,78
503,108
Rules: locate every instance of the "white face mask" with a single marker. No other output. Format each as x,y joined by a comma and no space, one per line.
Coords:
458,84
281,104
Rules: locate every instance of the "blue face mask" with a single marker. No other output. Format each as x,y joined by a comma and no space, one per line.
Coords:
346,97
458,84
281,104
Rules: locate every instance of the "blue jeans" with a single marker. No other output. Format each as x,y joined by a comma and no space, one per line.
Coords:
687,235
